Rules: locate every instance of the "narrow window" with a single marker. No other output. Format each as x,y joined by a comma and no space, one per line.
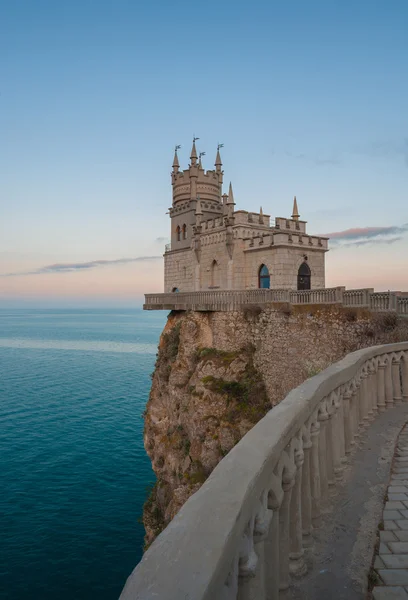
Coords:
264,277
304,275
184,231
178,231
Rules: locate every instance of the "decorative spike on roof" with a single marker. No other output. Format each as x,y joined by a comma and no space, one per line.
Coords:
218,162
193,156
176,164
295,212
230,195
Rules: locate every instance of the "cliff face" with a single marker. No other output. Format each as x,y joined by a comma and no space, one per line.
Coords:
217,374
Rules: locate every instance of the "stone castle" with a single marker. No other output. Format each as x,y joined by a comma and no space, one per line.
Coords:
213,246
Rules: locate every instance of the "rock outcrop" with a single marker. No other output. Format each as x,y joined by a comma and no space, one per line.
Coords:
218,373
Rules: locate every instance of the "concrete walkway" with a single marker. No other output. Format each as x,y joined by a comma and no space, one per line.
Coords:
344,543
391,563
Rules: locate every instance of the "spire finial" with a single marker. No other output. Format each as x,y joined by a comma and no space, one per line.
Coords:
230,195
295,212
175,160
193,156
218,163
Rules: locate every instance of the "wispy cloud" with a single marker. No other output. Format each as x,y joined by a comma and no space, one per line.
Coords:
73,267
385,149
161,240
361,236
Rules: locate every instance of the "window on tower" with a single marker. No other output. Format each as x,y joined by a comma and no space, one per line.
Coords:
184,231
178,231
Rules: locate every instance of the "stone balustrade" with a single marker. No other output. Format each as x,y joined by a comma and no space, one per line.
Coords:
244,533
225,300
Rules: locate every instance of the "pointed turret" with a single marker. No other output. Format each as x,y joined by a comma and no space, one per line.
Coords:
176,165
218,163
230,195
261,219
193,156
295,213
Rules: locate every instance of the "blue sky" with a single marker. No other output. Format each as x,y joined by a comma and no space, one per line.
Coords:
309,98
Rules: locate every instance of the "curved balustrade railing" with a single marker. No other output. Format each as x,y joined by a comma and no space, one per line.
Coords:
244,532
224,300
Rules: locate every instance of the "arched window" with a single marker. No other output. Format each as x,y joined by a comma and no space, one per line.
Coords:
215,274
184,231
178,231
174,290
303,281
264,278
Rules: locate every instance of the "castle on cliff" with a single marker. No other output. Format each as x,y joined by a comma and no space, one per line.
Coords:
213,246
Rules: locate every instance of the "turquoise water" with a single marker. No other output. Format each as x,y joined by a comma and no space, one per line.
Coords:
74,472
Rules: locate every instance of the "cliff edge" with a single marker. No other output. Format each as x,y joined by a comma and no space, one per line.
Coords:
218,373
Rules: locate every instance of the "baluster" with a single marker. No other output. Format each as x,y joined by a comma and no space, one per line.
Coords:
330,439
373,387
288,481
323,417
247,565
348,427
364,397
336,426
261,528
369,393
272,546
396,381
315,491
230,588
389,398
381,385
306,502
404,369
297,565
357,408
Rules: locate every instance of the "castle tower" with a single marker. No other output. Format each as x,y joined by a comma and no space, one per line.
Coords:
187,185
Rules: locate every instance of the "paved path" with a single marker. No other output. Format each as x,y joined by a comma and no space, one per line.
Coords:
391,563
343,551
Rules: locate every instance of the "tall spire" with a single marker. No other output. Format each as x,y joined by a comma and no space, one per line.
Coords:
230,195
176,165
193,156
295,213
218,163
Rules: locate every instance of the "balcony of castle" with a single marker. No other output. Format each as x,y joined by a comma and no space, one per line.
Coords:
296,508
228,300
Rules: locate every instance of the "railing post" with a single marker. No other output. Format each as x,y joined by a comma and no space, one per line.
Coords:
306,488
284,533
364,397
381,385
396,381
324,484
315,472
373,389
297,565
272,551
404,371
348,431
389,399
357,408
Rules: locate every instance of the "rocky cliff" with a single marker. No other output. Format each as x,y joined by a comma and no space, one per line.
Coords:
218,373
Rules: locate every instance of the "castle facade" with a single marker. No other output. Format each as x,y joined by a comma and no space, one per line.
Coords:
214,246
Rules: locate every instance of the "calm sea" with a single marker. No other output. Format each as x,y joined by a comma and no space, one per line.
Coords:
73,469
